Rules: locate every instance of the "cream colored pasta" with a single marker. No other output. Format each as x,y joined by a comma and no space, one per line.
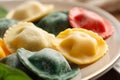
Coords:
30,11
27,35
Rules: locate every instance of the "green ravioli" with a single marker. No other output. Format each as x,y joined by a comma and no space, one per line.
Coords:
5,24
47,64
54,22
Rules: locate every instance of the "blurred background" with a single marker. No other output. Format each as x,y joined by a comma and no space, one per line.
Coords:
111,6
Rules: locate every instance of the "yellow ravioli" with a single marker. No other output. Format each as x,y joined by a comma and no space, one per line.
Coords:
30,11
27,35
81,46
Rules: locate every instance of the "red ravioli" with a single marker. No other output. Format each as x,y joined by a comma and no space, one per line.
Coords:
82,18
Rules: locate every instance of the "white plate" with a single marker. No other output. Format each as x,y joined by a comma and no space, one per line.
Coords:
104,64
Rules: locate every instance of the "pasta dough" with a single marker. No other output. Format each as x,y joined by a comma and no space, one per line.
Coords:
81,46
30,11
27,35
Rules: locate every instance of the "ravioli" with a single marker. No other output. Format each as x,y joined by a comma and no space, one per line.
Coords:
30,11
45,64
54,22
48,64
27,35
81,46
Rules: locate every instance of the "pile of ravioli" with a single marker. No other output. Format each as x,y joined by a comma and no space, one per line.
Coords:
51,44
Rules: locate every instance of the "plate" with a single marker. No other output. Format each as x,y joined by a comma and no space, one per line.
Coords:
100,67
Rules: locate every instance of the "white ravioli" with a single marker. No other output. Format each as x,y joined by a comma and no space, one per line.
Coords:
30,11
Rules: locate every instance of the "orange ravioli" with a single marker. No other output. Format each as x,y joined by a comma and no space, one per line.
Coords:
3,47
81,46
2,52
